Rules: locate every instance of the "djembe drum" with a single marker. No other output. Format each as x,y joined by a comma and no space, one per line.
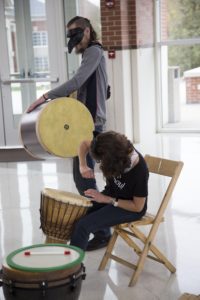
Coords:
40,272
56,128
59,211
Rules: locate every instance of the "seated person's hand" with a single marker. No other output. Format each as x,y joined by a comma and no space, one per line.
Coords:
97,196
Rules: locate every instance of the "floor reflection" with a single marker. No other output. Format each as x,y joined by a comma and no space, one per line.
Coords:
20,188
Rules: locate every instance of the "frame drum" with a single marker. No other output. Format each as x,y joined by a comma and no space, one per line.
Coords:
56,128
43,272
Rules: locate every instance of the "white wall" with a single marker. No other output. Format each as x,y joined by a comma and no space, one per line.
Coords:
164,83
2,141
146,93
119,106
132,108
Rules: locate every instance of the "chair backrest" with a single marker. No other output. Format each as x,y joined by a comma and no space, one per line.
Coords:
165,167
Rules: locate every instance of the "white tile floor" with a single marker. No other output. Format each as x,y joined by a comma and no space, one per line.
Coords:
178,237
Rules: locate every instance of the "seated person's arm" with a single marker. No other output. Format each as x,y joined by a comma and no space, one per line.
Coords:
135,205
82,154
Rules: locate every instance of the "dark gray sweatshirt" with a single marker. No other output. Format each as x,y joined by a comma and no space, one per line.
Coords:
90,82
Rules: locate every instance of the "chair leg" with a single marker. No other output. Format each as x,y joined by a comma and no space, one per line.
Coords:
163,259
108,251
140,266
141,262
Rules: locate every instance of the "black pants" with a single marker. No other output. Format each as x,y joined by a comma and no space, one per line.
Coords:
99,217
83,184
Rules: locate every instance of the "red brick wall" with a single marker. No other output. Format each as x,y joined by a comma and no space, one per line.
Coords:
129,24
164,20
193,90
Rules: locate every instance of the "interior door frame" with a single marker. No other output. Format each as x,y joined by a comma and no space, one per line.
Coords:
6,106
58,67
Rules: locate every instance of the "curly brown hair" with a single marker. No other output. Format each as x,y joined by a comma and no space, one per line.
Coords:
113,151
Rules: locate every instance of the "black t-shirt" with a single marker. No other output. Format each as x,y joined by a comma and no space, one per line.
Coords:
130,184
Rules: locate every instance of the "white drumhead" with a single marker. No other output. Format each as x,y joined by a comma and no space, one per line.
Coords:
67,197
45,257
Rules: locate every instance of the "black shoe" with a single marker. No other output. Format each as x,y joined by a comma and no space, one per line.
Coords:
97,243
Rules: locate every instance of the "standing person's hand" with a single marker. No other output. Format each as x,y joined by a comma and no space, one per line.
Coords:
38,102
86,172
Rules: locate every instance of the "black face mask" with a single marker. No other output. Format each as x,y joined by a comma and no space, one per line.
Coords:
75,36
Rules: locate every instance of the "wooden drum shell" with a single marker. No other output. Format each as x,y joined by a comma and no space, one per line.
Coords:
59,211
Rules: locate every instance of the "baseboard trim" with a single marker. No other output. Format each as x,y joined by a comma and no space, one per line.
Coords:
18,154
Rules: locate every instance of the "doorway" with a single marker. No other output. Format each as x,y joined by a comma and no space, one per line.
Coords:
32,58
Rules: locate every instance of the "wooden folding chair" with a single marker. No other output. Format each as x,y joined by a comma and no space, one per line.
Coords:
131,233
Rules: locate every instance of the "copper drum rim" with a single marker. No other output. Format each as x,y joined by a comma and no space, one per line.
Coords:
56,128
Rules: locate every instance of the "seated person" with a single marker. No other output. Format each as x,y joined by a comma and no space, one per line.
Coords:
124,198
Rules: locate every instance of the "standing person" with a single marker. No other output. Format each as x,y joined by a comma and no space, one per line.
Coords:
90,82
124,198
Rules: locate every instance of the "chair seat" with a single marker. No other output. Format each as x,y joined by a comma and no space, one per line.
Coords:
145,220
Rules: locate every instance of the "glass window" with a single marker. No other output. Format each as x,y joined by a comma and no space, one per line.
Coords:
40,38
179,49
41,64
186,57
89,9
11,37
180,19
27,41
